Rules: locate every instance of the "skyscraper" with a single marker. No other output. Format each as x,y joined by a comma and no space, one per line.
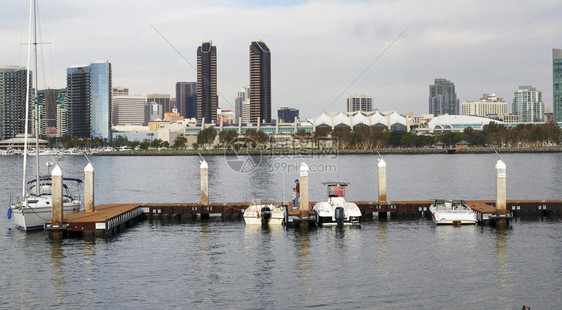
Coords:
186,99
527,103
78,101
242,105
287,115
442,98
260,82
207,100
557,84
89,94
130,110
100,105
12,101
161,99
359,103
50,99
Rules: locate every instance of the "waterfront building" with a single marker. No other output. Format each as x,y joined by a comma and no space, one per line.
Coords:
260,82
225,116
557,84
458,123
49,100
528,104
443,98
119,91
359,103
186,99
548,115
380,120
100,105
155,111
287,115
507,118
242,105
78,101
162,99
12,101
488,104
207,100
130,110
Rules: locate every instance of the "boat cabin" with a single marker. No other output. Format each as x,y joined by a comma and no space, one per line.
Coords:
336,189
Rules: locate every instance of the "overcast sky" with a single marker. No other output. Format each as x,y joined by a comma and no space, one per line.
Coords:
319,49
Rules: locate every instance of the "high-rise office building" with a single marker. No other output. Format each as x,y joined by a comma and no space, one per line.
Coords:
13,89
155,111
242,105
100,92
488,104
62,114
49,100
186,99
130,110
287,115
162,99
207,100
89,95
260,82
359,103
78,101
527,103
442,98
557,84
119,91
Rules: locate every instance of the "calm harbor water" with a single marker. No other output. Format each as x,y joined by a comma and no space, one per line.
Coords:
218,263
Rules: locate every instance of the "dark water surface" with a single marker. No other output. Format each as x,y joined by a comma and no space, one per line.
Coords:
393,264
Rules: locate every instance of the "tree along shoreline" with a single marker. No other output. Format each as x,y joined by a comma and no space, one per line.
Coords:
330,151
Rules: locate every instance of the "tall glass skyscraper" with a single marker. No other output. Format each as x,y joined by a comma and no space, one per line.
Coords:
207,100
89,101
260,82
186,99
527,103
557,83
442,98
12,101
100,104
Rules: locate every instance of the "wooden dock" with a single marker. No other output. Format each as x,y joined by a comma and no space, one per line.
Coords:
108,218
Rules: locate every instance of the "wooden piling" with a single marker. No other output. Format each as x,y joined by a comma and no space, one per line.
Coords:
303,172
56,192
89,188
204,168
382,179
501,193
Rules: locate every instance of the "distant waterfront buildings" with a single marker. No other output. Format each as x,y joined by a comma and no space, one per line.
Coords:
557,84
242,105
528,104
130,110
359,103
186,99
119,91
12,101
207,100
287,115
162,99
78,101
260,82
155,111
488,104
443,98
49,101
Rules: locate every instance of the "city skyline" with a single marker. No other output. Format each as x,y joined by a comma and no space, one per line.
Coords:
317,58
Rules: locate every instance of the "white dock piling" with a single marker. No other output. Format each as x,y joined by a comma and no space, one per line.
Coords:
89,188
56,192
204,182
303,200
382,180
500,188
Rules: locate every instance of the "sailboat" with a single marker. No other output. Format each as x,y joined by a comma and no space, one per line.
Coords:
34,208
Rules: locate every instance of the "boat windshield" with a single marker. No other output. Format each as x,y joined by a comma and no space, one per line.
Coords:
336,191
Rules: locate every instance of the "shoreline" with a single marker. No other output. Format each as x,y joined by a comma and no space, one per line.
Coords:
397,151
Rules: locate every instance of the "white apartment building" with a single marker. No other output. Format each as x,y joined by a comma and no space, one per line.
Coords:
488,104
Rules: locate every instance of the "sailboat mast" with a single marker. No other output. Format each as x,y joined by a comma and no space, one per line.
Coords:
27,94
36,98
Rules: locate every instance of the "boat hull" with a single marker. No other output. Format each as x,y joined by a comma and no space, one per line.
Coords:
31,218
444,214
326,212
252,216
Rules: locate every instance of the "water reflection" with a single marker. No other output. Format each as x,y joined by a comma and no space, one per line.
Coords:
304,265
57,273
503,272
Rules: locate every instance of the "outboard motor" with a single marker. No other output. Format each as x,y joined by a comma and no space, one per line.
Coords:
265,213
339,215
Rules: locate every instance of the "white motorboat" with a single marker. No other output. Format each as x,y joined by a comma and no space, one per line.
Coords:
259,213
336,211
452,212
34,207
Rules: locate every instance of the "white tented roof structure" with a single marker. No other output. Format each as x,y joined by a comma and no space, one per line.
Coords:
351,119
457,123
